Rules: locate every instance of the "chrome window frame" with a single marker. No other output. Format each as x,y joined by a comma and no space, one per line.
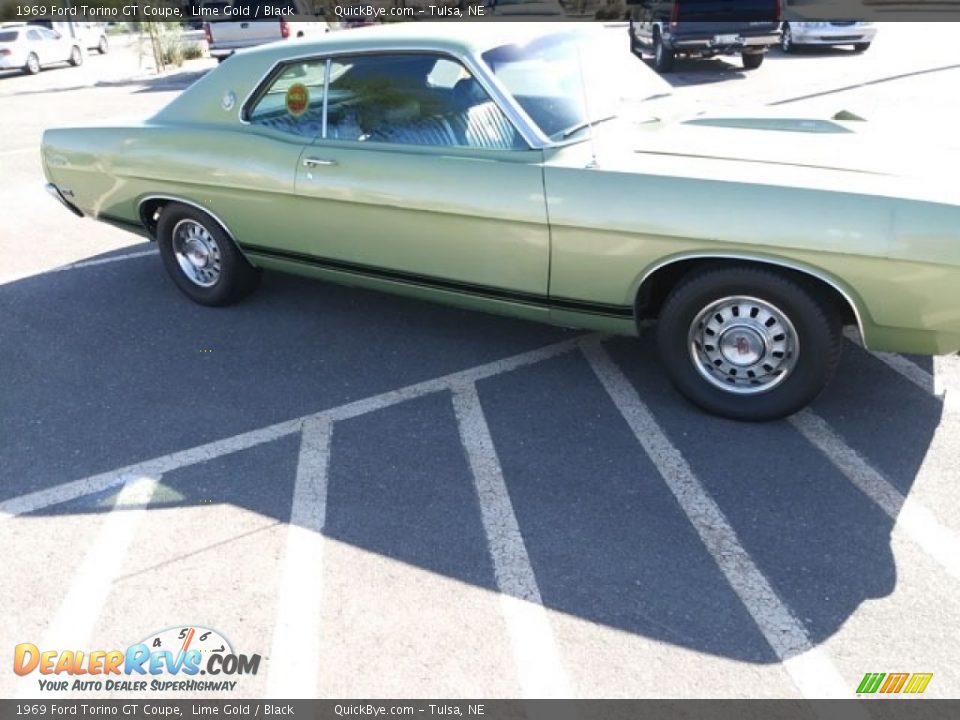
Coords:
529,132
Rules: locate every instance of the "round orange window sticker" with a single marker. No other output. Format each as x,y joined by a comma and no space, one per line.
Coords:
298,98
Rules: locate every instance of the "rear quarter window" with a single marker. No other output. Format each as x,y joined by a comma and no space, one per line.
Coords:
8,35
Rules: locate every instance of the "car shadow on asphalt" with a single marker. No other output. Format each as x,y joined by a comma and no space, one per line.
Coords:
696,71
109,365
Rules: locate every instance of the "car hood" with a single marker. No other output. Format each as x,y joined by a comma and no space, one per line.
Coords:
841,151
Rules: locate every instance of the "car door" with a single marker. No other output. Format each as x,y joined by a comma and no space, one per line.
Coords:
419,178
55,47
36,44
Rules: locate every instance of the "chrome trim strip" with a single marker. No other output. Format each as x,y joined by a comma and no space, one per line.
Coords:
326,95
769,261
522,123
174,198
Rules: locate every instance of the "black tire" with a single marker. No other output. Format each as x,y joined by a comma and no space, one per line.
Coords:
33,64
103,47
810,366
662,55
235,277
861,47
76,56
786,39
634,45
751,61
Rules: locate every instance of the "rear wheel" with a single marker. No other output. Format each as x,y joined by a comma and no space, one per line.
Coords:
33,64
751,61
748,343
786,39
76,56
662,55
103,47
202,259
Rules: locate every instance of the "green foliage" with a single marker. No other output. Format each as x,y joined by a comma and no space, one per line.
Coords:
612,10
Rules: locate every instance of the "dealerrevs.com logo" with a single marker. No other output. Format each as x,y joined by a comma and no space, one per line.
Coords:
894,683
169,660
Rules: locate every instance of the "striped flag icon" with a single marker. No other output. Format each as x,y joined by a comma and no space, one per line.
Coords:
892,683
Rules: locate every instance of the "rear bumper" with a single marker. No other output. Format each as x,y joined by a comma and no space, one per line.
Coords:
55,192
9,62
222,49
833,36
709,44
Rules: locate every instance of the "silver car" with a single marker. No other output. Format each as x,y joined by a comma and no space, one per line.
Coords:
858,34
31,47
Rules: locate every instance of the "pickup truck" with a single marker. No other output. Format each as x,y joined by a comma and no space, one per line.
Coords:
248,23
704,28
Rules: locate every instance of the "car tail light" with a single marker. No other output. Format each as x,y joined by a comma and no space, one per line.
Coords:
5,52
675,14
778,9
284,29
208,32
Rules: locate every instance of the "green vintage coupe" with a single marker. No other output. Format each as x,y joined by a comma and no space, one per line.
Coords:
535,172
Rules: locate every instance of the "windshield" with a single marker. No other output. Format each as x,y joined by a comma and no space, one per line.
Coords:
568,80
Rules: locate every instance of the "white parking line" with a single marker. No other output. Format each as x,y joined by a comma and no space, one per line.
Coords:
80,608
210,451
810,669
910,370
104,261
909,516
6,279
295,650
534,647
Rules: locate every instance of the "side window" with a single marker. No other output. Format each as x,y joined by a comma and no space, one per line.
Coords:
33,35
413,99
293,103
48,34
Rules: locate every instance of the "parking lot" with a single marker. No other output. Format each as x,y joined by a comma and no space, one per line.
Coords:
387,498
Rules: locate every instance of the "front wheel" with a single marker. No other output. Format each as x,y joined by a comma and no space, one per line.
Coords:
634,45
751,61
748,343
103,47
202,259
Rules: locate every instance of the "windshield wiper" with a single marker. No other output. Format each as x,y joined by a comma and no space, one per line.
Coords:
583,126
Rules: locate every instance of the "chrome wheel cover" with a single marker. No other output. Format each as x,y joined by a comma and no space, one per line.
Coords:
743,345
197,253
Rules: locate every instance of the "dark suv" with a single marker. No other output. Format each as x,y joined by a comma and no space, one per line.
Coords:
704,28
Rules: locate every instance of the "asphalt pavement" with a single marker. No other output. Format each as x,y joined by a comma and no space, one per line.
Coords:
388,498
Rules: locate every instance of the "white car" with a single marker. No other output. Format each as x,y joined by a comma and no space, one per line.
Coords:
858,34
31,47
90,35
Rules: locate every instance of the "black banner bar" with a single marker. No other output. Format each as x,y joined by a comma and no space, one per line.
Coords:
879,708
335,11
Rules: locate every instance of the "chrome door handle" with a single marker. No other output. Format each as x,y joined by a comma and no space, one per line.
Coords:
317,162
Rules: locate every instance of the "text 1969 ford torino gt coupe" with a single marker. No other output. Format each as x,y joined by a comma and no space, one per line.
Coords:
501,168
